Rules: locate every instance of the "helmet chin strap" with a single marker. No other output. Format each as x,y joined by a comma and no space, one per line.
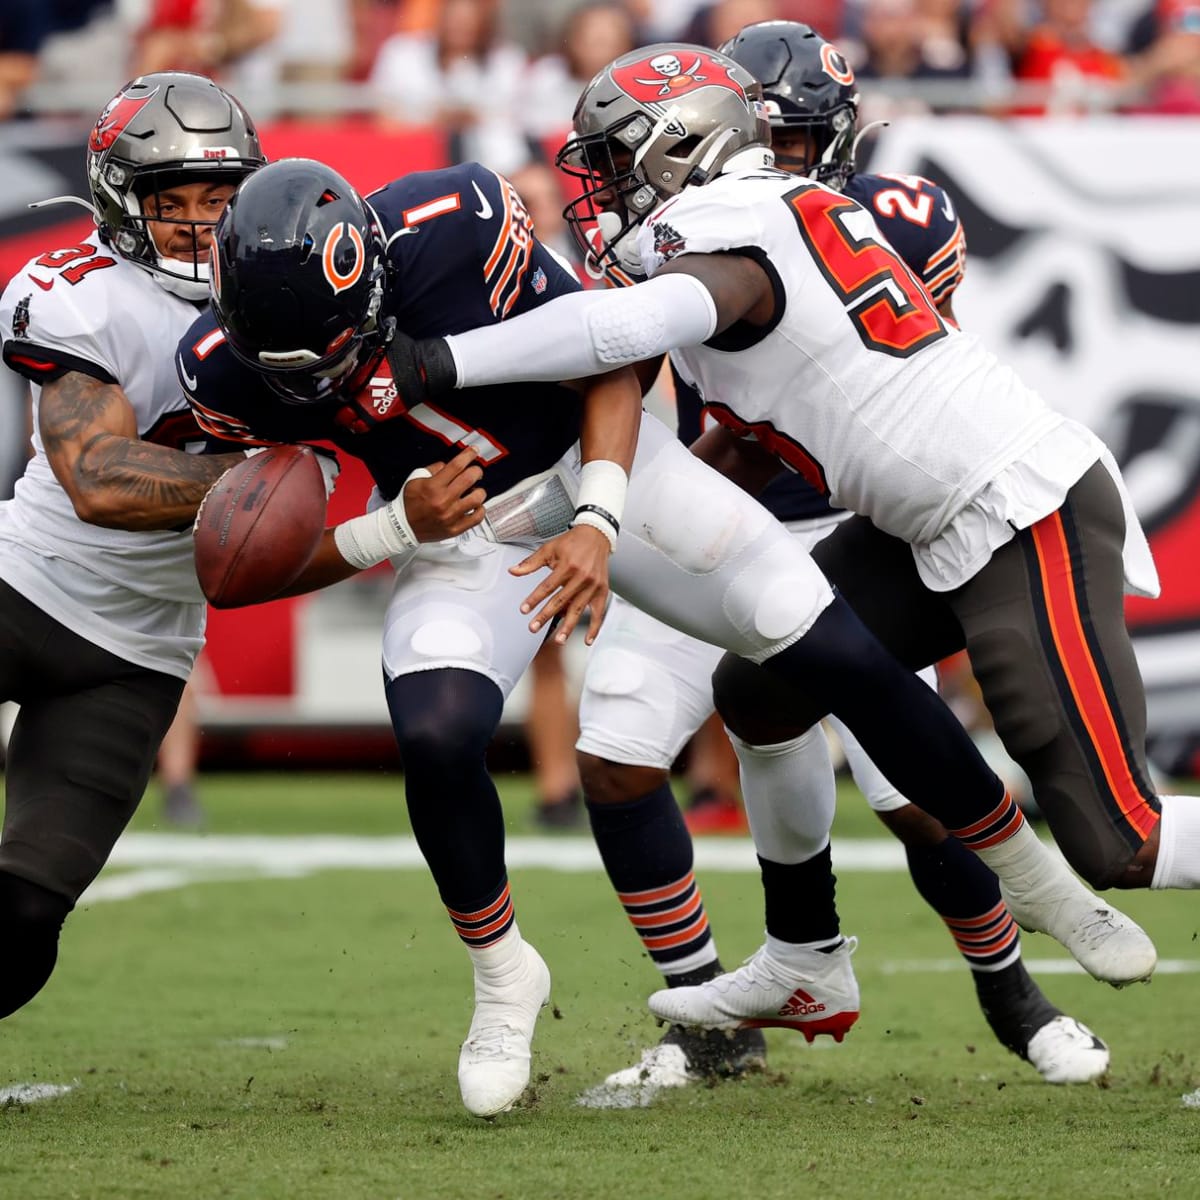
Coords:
195,289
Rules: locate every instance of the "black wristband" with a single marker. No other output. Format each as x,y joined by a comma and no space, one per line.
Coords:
602,513
437,365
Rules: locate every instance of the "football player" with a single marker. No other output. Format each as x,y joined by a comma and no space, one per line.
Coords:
984,519
310,287
646,688
101,616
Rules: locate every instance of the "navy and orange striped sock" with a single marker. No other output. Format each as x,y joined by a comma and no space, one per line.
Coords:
1005,820
966,895
647,852
484,921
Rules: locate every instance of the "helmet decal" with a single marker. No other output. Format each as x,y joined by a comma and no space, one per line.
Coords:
338,279
117,114
667,76
835,65
214,270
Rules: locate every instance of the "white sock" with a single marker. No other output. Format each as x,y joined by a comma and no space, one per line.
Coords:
498,957
793,954
790,795
1021,862
1178,862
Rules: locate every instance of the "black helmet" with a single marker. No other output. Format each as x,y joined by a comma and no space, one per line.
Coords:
159,131
297,278
807,84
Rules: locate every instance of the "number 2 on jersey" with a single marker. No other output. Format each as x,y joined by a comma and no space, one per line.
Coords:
890,309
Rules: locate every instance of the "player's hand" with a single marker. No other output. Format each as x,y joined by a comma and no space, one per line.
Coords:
578,579
327,460
421,369
447,502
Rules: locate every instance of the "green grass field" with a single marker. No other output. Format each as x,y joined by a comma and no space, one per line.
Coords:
292,1035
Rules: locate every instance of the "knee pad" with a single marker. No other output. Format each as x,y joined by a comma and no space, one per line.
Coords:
444,717
755,705
31,917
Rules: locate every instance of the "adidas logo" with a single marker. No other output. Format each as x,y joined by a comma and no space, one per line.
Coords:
800,1004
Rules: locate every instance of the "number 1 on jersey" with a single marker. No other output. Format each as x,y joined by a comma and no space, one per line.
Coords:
890,309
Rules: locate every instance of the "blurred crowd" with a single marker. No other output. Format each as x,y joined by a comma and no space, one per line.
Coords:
502,74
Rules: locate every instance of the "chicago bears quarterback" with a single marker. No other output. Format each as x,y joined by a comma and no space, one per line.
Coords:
310,286
101,616
815,346
646,688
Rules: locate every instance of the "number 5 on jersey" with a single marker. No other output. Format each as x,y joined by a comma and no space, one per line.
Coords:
890,309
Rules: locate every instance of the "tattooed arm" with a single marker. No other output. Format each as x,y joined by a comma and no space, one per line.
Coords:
115,479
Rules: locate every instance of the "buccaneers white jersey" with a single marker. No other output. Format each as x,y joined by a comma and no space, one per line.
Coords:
134,593
861,386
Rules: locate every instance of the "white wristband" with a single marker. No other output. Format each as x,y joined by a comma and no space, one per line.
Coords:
385,533
601,500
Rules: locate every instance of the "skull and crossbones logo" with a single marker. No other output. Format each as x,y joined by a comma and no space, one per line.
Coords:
671,74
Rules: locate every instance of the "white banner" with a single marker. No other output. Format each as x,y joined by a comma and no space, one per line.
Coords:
1083,271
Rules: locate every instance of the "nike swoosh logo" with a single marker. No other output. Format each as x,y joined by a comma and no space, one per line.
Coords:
44,284
948,209
484,211
189,380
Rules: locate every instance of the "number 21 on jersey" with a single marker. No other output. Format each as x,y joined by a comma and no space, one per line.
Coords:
891,310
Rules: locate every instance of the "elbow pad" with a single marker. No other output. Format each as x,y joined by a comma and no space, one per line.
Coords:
587,333
649,319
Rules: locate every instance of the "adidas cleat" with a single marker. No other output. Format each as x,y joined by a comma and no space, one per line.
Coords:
762,993
493,1065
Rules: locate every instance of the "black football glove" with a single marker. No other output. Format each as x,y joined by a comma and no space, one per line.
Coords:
422,369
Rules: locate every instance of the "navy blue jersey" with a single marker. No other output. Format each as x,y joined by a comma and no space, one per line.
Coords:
461,254
918,219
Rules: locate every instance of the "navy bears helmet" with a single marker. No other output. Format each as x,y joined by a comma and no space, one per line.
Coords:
297,279
807,85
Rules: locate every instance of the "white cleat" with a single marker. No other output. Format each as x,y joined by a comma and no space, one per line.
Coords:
493,1065
684,1056
1108,945
1065,1051
762,993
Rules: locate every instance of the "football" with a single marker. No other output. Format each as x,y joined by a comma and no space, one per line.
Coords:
259,525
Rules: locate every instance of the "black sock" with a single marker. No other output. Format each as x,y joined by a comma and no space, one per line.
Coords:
799,899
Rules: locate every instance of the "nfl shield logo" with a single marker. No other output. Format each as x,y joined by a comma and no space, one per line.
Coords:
539,281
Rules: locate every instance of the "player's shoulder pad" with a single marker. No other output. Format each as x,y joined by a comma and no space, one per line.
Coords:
50,324
220,390
440,202
722,215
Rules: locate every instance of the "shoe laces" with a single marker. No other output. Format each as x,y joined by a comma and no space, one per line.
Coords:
494,1042
755,972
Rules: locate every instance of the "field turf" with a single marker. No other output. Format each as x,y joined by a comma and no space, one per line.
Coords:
262,1030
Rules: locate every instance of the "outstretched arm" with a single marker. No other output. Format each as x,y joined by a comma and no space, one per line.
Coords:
586,333
114,479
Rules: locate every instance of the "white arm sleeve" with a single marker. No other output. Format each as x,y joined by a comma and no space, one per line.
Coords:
587,333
